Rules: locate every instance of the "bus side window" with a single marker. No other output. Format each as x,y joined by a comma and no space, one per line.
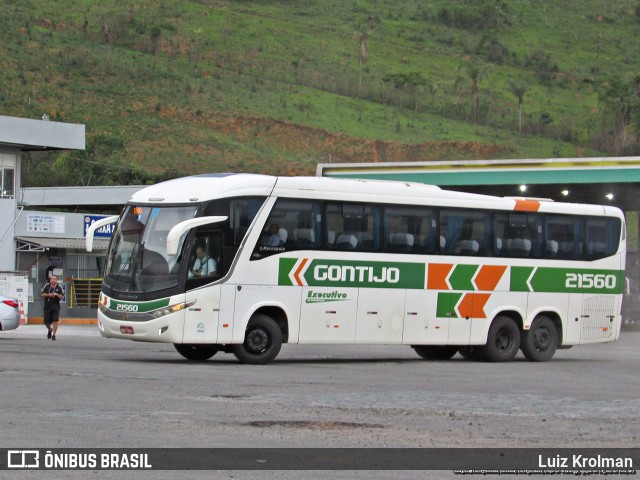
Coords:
517,235
465,232
409,230
567,232
602,237
293,224
351,227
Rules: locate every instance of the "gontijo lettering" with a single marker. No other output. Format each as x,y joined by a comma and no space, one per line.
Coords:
360,273
346,273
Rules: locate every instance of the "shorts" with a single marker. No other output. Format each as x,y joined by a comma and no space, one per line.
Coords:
51,316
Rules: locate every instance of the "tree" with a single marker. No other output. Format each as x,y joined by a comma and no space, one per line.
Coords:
155,34
620,100
413,82
98,164
475,74
360,36
519,90
104,26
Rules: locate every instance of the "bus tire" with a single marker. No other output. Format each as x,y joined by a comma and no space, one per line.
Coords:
471,353
198,353
431,352
503,341
540,342
262,341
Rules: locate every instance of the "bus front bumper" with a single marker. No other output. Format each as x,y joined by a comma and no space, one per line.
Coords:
167,329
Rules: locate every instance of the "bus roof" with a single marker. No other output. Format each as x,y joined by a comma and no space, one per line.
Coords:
200,188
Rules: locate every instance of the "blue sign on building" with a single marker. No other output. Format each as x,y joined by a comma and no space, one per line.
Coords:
104,232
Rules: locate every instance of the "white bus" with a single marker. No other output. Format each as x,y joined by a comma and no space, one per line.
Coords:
243,263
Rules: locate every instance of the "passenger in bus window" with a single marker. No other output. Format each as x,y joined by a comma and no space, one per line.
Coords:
271,239
203,266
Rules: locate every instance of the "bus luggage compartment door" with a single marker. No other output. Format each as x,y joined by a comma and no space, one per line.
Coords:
422,326
380,315
328,315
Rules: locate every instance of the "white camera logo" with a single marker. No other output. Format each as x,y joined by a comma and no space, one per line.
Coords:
23,459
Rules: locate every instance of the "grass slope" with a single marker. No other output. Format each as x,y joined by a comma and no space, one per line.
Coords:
278,86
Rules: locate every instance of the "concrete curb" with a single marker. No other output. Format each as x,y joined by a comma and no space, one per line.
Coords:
64,321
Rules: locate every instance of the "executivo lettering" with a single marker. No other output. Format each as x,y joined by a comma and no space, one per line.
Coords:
319,297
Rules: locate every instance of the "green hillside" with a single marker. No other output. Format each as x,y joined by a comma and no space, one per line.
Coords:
178,87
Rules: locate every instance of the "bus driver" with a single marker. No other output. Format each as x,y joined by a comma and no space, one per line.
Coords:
203,265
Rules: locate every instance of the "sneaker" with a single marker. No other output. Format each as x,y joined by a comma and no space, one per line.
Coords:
53,337
49,333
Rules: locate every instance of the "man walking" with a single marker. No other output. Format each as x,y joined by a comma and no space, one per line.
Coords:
52,293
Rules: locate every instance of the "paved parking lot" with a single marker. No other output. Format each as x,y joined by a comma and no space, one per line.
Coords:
87,391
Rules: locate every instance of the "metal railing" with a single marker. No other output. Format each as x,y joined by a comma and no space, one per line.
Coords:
85,292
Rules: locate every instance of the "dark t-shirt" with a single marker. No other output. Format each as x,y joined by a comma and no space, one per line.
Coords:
52,303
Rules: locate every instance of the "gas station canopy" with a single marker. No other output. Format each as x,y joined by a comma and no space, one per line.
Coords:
599,180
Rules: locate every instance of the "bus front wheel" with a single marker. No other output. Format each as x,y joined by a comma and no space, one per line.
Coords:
262,341
539,343
196,352
431,352
503,341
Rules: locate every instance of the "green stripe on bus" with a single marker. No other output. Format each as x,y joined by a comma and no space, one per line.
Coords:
142,306
286,266
344,273
565,280
461,277
447,302
519,277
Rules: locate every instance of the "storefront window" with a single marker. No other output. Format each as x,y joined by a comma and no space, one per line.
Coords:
7,181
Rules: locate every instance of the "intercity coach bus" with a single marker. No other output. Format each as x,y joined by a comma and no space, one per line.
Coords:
242,263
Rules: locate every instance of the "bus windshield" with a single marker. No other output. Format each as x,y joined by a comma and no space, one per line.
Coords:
138,261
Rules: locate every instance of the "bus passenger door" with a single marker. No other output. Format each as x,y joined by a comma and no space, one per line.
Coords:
380,315
328,315
421,324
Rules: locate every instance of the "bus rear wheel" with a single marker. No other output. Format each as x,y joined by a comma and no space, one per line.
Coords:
503,341
431,352
196,352
540,342
262,341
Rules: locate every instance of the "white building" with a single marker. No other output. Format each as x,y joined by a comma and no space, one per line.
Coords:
34,233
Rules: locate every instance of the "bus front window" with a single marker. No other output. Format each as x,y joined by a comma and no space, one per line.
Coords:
138,260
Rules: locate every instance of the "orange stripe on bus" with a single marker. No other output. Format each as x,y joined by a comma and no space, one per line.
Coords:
437,276
472,305
489,276
300,267
527,206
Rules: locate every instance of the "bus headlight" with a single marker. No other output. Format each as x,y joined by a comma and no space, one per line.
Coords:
161,312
